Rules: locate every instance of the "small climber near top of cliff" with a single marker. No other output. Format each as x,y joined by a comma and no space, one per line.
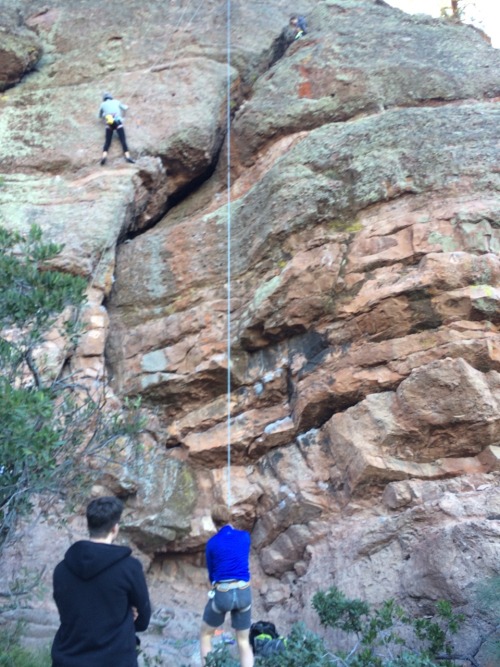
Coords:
227,555
111,111
295,29
298,26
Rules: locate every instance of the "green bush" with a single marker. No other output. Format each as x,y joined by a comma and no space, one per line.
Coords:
303,647
31,292
387,636
51,426
382,637
14,655
337,611
28,439
19,657
221,656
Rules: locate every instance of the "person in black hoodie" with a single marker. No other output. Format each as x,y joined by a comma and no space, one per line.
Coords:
101,595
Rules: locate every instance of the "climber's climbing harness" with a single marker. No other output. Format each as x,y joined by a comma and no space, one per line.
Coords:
134,92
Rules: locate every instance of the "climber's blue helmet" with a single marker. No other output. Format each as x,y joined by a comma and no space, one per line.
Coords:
107,96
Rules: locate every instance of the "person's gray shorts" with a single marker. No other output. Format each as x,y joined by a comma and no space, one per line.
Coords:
238,601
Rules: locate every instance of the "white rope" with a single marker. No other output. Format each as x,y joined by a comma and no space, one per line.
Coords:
228,142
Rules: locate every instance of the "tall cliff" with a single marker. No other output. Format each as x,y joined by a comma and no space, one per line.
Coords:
365,215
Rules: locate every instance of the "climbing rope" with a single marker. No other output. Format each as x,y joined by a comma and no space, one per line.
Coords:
228,240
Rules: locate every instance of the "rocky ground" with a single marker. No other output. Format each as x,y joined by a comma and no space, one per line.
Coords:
364,289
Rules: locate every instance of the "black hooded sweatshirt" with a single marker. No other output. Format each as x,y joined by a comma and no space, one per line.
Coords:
95,588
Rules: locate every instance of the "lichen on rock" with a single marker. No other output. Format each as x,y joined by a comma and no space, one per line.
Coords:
364,313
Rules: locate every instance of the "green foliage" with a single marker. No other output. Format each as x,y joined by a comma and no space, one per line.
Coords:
31,293
435,634
337,611
51,425
383,637
32,297
302,647
221,656
14,655
17,656
28,439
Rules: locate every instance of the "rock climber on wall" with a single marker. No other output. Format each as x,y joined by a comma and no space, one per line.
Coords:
111,111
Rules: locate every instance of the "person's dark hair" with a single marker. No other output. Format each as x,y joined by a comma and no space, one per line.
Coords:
107,96
103,514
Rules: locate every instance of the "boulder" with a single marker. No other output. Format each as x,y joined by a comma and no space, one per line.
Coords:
20,51
345,68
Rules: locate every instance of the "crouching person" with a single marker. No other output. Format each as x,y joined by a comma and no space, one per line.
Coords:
101,595
227,556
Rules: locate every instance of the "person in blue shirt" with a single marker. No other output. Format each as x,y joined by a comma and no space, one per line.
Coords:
298,26
111,111
227,556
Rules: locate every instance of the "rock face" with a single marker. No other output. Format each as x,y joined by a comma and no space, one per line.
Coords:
20,48
364,270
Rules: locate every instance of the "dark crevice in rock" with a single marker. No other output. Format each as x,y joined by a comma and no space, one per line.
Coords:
251,72
306,346
174,199
269,58
280,46
257,332
175,169
173,399
316,415
426,318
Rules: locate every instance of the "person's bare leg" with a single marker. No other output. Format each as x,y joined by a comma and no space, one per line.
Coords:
206,635
244,648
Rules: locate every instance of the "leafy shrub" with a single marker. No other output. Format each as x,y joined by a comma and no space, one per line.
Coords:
14,655
302,647
381,637
51,424
387,636
20,657
221,656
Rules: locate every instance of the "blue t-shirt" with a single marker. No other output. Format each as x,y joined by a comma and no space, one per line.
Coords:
227,555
